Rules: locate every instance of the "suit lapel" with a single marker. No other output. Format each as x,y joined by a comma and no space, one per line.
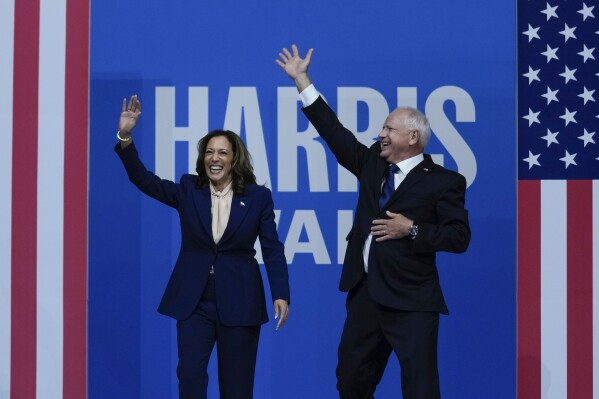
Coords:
419,172
239,208
203,205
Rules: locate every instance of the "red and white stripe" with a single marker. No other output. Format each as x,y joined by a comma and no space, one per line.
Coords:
6,85
558,291
44,64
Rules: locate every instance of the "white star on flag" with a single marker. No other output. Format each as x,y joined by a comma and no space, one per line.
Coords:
532,159
587,95
587,53
550,11
532,75
568,116
587,138
568,159
587,12
532,33
568,32
551,95
532,117
550,53
558,80
568,74
550,137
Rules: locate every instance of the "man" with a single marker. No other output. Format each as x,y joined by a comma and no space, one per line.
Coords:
394,297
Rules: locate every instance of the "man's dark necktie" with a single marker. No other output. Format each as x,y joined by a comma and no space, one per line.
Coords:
389,186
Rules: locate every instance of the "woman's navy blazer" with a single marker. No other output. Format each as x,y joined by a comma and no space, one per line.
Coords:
240,297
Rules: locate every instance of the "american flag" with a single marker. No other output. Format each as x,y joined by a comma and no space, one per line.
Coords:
44,64
558,191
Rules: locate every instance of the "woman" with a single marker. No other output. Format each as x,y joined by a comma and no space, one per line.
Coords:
215,291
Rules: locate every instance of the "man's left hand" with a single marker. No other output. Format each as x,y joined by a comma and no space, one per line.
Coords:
387,229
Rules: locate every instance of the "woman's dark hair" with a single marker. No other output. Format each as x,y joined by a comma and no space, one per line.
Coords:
242,171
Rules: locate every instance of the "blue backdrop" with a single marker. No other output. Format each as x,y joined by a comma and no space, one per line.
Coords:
198,66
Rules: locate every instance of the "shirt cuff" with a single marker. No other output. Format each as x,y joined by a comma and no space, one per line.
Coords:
309,95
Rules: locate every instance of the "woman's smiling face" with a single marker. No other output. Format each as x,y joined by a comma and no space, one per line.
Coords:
218,161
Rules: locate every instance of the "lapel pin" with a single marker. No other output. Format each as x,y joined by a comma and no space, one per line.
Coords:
426,169
242,203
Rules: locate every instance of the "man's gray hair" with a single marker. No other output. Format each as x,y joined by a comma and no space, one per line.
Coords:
416,120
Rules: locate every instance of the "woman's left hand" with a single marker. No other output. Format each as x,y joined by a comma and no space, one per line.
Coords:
281,312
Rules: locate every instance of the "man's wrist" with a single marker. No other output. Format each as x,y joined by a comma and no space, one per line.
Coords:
309,95
302,81
413,230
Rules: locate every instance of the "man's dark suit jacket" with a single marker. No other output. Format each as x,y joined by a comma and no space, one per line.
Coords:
240,296
402,273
